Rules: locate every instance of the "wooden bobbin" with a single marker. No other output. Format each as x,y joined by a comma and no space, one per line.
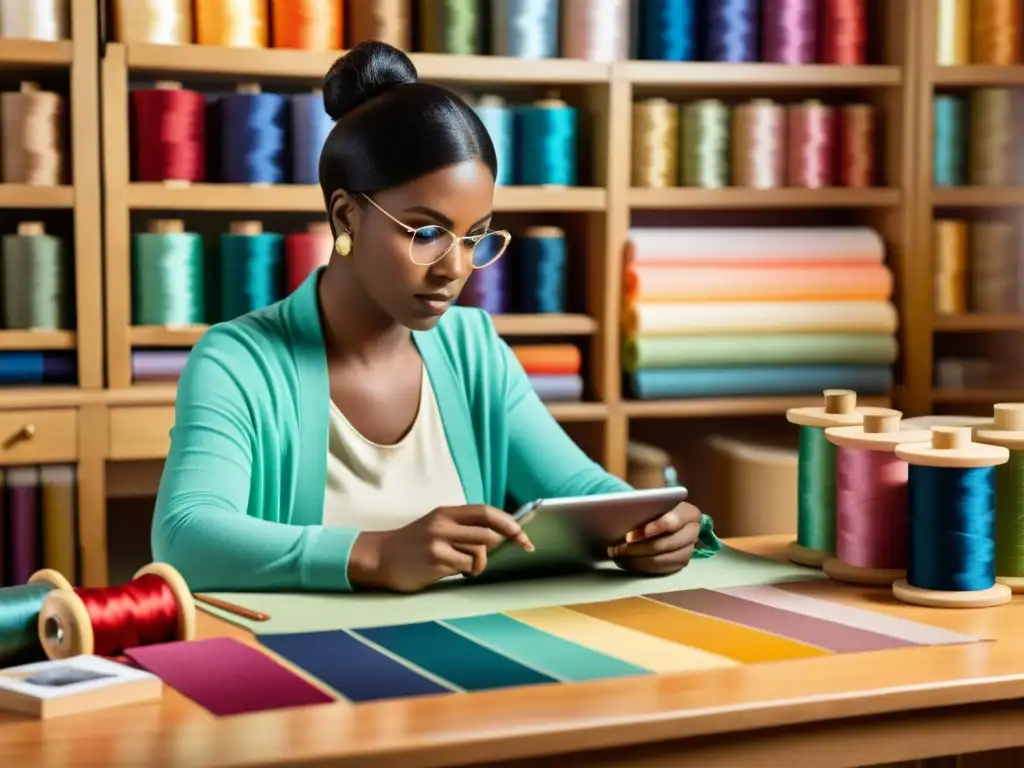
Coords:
49,576
839,410
65,629
1006,431
248,88
246,228
952,448
880,432
31,228
168,85
166,226
541,232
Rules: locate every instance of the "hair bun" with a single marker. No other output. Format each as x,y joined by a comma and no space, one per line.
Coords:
368,70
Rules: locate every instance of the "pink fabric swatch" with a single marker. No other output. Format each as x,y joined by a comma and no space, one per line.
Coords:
227,677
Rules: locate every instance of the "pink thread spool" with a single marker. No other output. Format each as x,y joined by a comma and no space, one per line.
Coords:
871,500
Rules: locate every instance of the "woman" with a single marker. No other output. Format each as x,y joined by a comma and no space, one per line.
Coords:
363,434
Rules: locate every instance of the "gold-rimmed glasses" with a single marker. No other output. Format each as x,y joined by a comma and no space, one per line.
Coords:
431,243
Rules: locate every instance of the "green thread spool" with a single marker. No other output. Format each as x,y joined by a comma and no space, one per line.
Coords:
252,266
19,617
168,285
450,26
37,279
704,144
816,475
1007,431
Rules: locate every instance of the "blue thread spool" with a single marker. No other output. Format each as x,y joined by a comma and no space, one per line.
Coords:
667,30
541,255
546,137
732,31
499,120
951,527
19,617
253,133
251,269
311,126
948,151
525,29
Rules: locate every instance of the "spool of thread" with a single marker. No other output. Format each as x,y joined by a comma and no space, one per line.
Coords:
19,617
597,30
705,144
790,33
991,134
811,149
156,606
59,494
232,23
32,137
656,137
816,475
541,257
949,140
951,524
668,30
252,269
311,126
856,155
993,266
759,145
995,32
307,25
158,22
953,32
36,368
732,31
871,500
169,133
168,276
253,145
451,26
1007,431
546,153
35,19
949,266
37,276
307,251
525,29
499,119
489,289
158,365
844,32
389,21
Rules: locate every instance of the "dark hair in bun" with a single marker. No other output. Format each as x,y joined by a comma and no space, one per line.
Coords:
391,128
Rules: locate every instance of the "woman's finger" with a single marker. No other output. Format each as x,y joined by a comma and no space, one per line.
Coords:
657,565
478,553
670,522
448,560
684,537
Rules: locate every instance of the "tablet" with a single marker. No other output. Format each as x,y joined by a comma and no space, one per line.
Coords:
574,533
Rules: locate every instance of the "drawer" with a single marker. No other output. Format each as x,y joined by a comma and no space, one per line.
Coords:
39,436
139,432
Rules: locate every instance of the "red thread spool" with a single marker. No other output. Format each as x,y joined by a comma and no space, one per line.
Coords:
844,35
306,251
811,146
156,606
169,134
856,145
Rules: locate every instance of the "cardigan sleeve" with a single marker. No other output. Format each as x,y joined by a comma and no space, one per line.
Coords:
544,462
203,524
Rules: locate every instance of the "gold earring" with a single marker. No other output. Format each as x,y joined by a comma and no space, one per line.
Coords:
343,244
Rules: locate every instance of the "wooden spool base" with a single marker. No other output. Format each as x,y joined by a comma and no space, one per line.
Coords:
801,555
1015,583
838,570
51,577
998,594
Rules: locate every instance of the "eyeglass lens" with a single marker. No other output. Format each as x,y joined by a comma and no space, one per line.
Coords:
430,244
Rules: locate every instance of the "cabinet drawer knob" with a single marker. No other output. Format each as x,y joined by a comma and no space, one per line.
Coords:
27,432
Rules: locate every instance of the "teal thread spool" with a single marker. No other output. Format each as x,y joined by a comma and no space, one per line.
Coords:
949,151
168,284
252,267
38,280
19,617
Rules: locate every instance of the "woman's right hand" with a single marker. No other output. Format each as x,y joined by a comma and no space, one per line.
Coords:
447,541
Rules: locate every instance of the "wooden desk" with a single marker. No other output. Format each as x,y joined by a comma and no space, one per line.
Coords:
843,710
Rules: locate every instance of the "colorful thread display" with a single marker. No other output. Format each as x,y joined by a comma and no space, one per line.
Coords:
37,286
32,138
974,138
35,19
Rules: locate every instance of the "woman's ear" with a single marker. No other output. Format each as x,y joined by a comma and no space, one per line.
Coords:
343,213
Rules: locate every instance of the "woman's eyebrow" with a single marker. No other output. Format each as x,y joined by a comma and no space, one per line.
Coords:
443,220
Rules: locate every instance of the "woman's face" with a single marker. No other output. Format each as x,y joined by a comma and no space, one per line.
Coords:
458,199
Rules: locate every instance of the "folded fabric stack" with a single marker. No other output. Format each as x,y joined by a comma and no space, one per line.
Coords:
757,312
554,370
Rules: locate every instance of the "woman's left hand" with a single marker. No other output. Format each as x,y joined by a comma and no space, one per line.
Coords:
662,546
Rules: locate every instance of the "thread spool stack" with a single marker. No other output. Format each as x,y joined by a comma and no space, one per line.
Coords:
37,280
499,119
597,30
232,23
307,251
541,279
19,614
953,41
705,144
157,22
871,500
311,126
168,133
951,524
308,25
811,151
547,143
253,136
1007,431
816,477
32,136
168,276
655,144
949,256
525,29
759,145
389,21
155,607
252,269
35,19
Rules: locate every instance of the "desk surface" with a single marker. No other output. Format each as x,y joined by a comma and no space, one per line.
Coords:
929,694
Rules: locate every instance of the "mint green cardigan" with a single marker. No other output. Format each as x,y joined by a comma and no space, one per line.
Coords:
241,499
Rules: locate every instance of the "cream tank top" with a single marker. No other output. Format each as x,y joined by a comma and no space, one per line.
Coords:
374,487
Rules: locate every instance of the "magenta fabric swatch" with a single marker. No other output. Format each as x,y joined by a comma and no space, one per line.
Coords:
227,677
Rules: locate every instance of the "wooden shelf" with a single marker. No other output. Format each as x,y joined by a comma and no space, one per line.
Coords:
27,196
741,197
37,340
704,408
743,76
977,75
16,54
967,197
977,396
979,322
19,398
298,198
